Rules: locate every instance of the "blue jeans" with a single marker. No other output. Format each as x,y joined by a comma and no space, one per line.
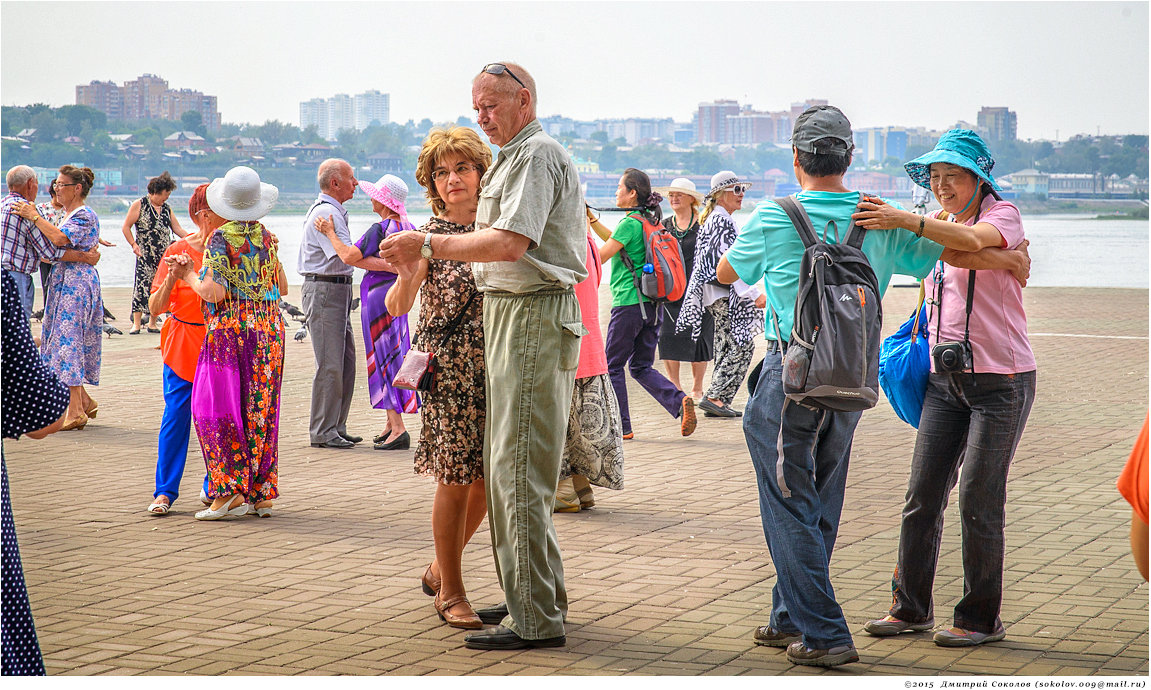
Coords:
800,501
974,421
25,289
175,429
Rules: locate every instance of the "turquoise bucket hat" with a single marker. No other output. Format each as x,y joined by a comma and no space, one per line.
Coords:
960,147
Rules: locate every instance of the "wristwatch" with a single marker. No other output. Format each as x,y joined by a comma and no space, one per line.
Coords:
426,250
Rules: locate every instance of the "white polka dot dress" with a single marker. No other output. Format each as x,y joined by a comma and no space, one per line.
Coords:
32,399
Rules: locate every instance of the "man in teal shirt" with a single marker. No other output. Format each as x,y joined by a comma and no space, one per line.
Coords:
808,450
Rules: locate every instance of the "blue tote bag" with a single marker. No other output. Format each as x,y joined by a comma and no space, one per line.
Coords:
904,363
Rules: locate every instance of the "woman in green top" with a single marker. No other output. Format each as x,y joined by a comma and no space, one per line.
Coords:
633,331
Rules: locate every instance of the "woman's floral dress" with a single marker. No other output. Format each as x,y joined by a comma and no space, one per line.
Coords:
236,392
451,445
74,310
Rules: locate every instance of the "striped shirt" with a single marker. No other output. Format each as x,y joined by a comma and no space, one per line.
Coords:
22,246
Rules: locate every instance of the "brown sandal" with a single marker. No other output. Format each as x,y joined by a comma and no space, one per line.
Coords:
430,584
468,622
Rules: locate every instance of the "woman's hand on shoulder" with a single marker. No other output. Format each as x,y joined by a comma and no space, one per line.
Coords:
325,225
876,214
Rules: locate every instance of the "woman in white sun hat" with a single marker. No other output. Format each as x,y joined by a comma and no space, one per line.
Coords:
737,309
386,338
674,347
236,390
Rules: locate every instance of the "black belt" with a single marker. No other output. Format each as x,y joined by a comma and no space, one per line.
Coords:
187,323
775,346
343,280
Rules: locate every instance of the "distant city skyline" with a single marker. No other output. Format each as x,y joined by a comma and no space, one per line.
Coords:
1064,68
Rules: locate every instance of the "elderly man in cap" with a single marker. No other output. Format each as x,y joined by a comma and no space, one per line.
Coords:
528,252
801,454
327,302
27,238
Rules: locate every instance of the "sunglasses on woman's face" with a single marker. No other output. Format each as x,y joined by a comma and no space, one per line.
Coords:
739,189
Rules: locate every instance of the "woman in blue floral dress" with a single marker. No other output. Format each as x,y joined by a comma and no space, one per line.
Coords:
73,314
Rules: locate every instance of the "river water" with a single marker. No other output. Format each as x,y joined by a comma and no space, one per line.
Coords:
1066,250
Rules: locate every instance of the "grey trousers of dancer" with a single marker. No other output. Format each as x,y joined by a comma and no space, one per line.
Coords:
732,359
531,343
327,307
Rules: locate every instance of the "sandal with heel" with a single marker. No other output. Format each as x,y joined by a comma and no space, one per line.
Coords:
469,621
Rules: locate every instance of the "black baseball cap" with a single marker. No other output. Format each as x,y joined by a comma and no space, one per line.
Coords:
822,122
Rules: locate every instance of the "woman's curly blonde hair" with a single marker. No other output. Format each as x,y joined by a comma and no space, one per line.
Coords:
443,142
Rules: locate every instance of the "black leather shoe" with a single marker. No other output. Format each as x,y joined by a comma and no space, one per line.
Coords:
710,409
401,442
500,637
493,615
337,442
353,439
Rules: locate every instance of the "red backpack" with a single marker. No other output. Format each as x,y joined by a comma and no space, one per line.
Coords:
661,278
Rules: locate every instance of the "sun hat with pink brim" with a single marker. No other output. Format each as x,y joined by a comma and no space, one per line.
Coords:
389,191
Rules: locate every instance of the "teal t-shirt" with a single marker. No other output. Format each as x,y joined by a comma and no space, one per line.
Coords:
629,233
769,248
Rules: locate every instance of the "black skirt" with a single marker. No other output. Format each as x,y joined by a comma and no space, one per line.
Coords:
680,347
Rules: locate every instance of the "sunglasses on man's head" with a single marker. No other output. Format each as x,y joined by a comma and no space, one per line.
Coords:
498,68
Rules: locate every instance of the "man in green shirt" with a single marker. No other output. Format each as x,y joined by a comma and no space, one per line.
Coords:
527,253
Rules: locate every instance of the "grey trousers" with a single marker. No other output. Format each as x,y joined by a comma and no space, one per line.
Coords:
327,307
531,343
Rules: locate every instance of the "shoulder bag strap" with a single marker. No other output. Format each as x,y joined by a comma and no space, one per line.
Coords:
456,321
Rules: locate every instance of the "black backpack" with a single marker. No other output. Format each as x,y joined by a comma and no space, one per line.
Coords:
832,359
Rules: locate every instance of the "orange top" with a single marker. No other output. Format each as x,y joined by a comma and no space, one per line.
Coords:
1133,479
183,335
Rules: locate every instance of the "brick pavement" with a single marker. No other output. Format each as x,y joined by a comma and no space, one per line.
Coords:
668,576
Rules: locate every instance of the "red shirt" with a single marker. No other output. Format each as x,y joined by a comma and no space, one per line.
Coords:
183,335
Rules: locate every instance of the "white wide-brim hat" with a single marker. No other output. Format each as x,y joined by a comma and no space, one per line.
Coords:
681,185
239,195
724,179
390,191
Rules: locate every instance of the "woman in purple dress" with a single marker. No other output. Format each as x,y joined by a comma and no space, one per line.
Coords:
386,339
74,310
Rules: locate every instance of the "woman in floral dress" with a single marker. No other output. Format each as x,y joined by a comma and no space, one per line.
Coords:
236,390
155,223
74,311
451,446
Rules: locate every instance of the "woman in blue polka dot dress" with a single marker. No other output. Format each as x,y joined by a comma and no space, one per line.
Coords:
34,402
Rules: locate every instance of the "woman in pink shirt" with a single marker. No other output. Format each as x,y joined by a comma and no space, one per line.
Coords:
593,453
979,395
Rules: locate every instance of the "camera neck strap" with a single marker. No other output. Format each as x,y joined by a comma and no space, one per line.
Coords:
970,293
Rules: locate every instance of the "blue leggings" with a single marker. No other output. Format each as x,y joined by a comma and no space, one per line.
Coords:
175,430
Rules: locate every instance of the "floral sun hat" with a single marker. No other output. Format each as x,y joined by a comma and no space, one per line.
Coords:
961,147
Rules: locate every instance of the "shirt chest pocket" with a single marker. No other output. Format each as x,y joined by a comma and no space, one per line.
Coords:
488,210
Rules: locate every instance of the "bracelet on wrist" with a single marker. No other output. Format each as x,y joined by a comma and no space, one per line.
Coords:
922,222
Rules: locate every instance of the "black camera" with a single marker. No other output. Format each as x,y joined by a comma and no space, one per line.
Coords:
951,357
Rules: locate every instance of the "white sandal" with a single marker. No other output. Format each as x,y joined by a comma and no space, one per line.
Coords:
224,510
158,508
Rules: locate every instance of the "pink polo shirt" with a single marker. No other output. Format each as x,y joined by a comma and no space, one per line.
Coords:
999,341
592,360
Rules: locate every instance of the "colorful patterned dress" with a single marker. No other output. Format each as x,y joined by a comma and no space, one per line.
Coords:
385,336
153,235
236,391
451,446
74,311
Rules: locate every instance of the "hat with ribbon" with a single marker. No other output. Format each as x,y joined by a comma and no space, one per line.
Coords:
239,195
681,185
390,191
724,179
960,147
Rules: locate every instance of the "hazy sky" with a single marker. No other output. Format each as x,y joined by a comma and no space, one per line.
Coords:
1062,66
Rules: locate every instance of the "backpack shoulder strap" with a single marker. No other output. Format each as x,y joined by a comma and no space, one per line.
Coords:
799,219
856,233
